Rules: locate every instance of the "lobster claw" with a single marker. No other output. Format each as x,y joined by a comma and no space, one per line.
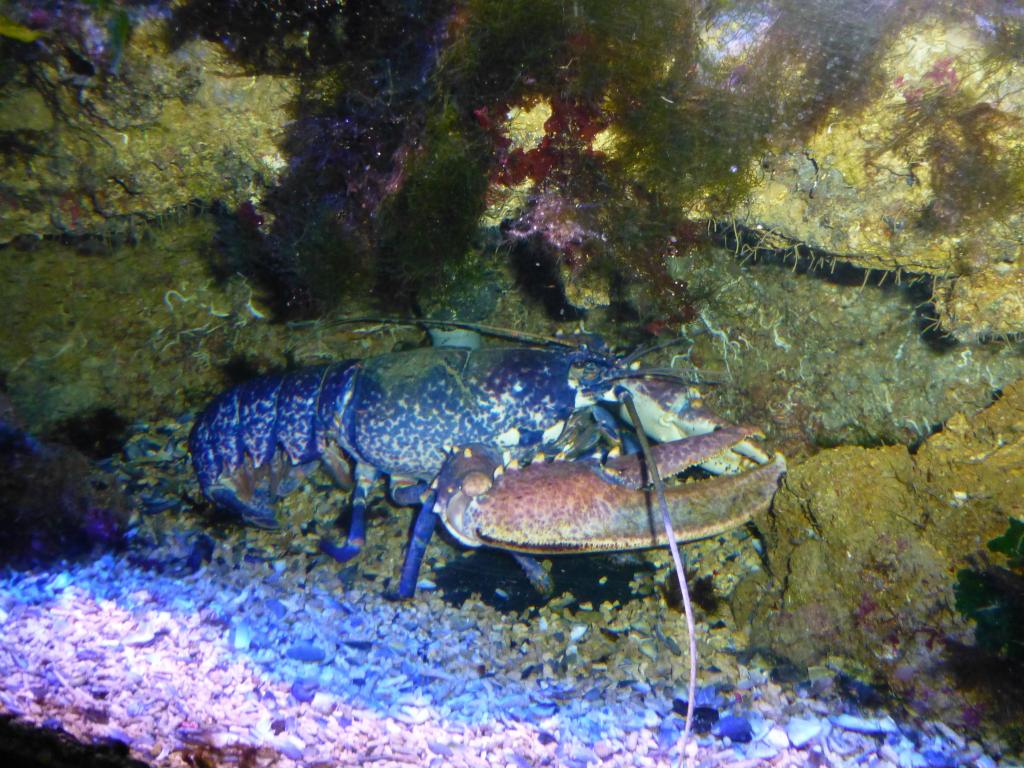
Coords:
671,412
585,506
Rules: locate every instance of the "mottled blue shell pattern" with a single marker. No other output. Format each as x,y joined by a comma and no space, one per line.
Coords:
399,413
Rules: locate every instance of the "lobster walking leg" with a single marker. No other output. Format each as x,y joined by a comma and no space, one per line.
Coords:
366,476
538,577
422,530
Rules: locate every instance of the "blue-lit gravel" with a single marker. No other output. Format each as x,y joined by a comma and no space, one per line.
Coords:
247,644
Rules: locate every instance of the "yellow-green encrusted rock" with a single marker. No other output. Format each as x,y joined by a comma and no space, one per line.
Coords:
171,127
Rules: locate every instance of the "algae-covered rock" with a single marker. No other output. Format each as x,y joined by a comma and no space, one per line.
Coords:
142,330
864,545
93,153
24,109
989,302
890,138
925,176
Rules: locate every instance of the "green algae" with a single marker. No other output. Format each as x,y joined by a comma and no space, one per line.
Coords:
630,62
12,30
975,174
991,596
432,219
657,118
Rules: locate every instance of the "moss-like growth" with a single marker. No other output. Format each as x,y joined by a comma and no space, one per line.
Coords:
504,51
658,113
276,36
993,597
973,175
431,220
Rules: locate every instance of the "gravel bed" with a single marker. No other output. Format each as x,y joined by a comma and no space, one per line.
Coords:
216,644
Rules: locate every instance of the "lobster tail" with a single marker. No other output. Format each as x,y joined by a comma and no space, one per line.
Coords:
245,441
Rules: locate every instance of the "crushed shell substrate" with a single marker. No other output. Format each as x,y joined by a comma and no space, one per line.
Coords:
209,641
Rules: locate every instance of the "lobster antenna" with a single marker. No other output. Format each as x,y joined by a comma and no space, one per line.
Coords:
674,374
637,354
659,490
490,330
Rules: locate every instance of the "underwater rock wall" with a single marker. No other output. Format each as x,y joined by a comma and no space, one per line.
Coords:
924,176
864,545
98,145
595,157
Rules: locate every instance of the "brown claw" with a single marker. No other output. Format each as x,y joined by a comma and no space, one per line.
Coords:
676,456
561,506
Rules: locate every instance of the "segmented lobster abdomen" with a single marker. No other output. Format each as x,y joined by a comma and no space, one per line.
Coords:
215,440
295,412
257,417
295,427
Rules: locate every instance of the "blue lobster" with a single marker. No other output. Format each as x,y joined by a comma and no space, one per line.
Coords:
412,414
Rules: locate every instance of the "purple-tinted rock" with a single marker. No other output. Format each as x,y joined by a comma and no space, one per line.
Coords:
736,729
277,608
936,759
306,652
439,748
304,689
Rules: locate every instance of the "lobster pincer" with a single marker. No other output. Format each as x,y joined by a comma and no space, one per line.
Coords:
561,507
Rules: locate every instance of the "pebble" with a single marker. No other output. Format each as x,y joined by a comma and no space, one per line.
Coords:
802,730
777,738
603,749
649,649
935,759
305,688
577,632
241,637
289,745
276,607
949,734
324,703
582,754
60,582
761,750
668,733
222,739
439,748
735,728
140,639
306,652
864,725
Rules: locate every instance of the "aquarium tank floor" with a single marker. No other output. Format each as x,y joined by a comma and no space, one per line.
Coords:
216,645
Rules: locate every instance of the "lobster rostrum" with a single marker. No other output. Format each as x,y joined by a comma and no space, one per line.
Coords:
449,426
